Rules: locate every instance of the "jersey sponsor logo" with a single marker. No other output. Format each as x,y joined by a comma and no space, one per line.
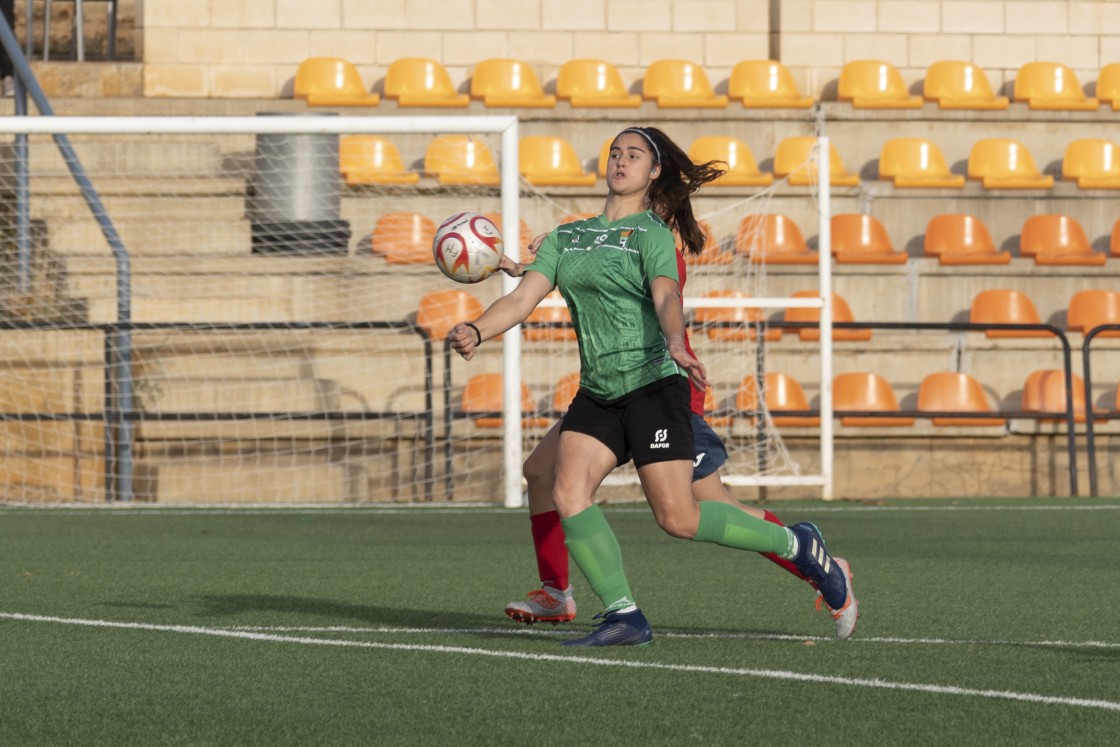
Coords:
660,439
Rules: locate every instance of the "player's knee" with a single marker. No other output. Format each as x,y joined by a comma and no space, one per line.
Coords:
679,524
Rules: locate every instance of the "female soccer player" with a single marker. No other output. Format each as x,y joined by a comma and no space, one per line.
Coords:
617,273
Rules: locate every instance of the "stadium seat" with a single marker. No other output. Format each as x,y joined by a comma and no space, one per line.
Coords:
546,314
1057,240
953,391
1044,391
331,81
604,154
550,161
742,171
1051,85
525,235
862,391
461,159
565,392
1093,163
1108,85
1001,306
483,394
594,84
574,217
372,159
765,84
792,159
415,81
859,239
716,421
509,83
874,84
439,311
680,84
742,316
711,254
916,163
841,312
772,238
961,85
783,393
1114,240
404,238
1001,163
1092,308
961,240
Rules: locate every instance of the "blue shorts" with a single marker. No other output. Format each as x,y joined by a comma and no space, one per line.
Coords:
710,451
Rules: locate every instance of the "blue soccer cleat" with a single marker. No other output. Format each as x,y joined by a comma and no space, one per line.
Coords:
817,565
617,629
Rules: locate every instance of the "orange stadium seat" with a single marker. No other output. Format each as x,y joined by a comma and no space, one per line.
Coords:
1051,85
741,316
1114,240
742,170
773,238
961,85
1092,308
1057,240
916,163
483,394
509,83
331,81
874,84
549,314
1093,163
952,391
372,159
1108,85
765,84
565,392
1044,391
961,240
863,391
841,312
1002,306
862,239
594,84
404,238
439,311
783,393
1001,163
548,160
461,159
716,421
792,159
525,234
711,254
680,84
416,81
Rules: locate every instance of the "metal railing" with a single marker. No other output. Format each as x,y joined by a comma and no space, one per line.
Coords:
1087,374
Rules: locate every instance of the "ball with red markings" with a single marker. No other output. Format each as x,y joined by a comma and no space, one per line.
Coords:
467,247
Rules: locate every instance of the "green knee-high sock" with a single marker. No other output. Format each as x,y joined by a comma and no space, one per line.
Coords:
730,526
595,549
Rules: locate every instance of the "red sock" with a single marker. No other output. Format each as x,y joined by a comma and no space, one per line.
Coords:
552,553
787,564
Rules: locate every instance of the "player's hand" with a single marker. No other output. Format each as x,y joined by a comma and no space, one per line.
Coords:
695,369
511,268
535,244
464,340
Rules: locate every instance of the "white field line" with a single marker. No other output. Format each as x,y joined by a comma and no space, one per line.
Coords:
772,674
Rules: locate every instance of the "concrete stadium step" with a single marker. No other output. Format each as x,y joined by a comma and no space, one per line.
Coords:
291,479
120,207
158,236
131,156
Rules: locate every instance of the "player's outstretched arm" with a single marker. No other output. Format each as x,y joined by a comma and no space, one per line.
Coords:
517,269
507,311
667,302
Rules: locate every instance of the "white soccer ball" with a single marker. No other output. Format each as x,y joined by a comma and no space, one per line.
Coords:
467,247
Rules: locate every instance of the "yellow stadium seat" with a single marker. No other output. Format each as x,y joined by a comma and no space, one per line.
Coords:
439,311
461,159
331,81
916,163
547,160
680,84
483,396
1057,240
792,159
961,240
1051,85
765,84
772,238
1003,306
509,83
1108,85
742,171
1092,308
862,239
372,159
863,391
1000,163
841,312
961,85
953,391
403,238
416,81
874,84
1093,163
594,84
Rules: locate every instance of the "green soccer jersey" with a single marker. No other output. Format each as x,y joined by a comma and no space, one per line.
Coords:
604,271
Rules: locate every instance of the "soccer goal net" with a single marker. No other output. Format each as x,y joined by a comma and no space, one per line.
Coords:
245,310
